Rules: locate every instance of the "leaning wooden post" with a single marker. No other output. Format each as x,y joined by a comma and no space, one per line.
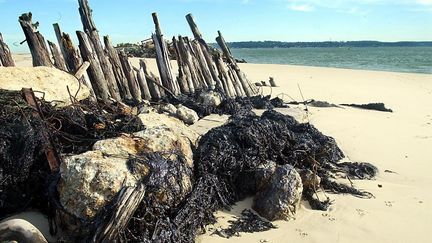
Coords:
205,50
59,36
59,61
231,61
5,54
142,81
93,34
95,72
162,58
188,65
117,69
130,76
223,75
37,48
151,79
184,73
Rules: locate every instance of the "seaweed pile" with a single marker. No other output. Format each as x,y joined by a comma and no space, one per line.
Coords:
370,106
229,106
248,222
25,177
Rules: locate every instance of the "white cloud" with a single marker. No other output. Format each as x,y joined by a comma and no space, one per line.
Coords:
301,7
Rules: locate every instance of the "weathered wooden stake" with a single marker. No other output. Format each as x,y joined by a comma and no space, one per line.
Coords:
151,79
184,73
93,34
231,61
130,76
5,54
117,69
95,72
34,39
59,61
162,58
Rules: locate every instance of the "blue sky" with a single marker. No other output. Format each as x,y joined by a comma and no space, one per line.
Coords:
284,20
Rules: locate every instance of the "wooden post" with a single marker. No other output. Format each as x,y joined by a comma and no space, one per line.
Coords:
59,36
205,51
184,73
95,72
59,61
130,76
37,48
151,79
231,61
142,81
223,76
200,81
272,82
5,54
162,58
117,69
93,34
188,65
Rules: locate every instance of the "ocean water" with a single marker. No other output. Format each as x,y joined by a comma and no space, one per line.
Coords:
395,59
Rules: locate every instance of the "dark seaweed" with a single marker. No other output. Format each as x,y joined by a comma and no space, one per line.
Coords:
371,106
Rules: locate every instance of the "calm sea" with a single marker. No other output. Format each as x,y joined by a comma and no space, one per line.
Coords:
396,59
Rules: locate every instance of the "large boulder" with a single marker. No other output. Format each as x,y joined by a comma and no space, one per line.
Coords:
51,81
90,180
19,230
280,198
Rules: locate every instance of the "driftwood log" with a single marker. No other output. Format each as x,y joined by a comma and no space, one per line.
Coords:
34,39
5,54
128,200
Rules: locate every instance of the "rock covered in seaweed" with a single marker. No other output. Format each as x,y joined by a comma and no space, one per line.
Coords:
90,180
280,198
211,98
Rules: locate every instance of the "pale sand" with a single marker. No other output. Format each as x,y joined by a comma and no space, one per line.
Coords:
401,142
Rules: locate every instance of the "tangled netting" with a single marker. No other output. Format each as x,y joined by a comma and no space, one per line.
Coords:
25,177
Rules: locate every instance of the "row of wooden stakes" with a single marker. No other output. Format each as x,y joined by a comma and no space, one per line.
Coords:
110,75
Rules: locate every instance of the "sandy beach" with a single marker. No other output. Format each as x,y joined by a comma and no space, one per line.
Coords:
399,142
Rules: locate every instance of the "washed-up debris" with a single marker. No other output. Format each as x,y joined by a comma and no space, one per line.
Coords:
19,230
248,222
247,142
370,106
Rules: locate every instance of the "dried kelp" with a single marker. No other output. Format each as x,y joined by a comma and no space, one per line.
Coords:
248,222
370,106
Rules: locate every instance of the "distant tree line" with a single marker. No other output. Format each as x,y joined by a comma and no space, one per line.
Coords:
280,44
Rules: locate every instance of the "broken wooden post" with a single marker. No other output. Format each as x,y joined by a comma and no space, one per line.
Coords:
142,81
59,36
151,81
231,61
93,34
130,76
162,58
37,47
5,54
224,76
125,205
59,61
117,69
192,78
95,72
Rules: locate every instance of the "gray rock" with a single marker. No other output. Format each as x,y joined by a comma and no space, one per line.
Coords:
310,179
210,99
19,230
280,198
169,108
188,116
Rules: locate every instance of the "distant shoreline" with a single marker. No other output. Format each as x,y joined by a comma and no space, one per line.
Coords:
281,44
